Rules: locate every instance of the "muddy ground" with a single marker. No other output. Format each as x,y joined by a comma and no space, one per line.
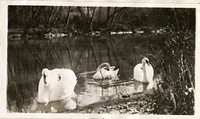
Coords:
141,103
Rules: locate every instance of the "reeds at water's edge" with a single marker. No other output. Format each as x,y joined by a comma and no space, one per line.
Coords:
176,57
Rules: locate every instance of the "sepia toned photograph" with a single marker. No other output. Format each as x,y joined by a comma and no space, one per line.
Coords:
101,60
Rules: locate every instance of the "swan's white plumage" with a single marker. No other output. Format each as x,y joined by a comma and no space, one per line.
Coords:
105,71
60,84
144,76
65,87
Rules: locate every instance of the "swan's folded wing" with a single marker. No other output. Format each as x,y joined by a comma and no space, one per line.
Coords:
138,72
97,75
65,87
111,74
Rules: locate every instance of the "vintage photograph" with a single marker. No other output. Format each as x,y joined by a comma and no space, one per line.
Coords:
101,60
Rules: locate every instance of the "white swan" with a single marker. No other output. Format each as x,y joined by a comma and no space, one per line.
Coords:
144,73
105,71
56,87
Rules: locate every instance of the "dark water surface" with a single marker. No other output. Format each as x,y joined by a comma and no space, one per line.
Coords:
81,54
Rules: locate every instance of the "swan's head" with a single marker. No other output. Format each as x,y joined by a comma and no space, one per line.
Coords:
105,66
145,60
50,76
46,75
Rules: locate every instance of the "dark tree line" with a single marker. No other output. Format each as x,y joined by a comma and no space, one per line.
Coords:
86,19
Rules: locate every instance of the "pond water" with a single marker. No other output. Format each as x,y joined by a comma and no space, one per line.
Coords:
81,54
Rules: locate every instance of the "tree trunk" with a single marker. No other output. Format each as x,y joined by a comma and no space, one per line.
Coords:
68,16
92,19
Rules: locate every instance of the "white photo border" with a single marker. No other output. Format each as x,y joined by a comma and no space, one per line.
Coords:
3,54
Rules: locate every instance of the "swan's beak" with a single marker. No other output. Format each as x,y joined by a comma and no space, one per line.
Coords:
45,78
148,63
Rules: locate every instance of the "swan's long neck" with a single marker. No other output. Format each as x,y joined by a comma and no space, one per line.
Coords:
103,65
144,71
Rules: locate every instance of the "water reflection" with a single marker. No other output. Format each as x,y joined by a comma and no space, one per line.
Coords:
81,54
90,91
